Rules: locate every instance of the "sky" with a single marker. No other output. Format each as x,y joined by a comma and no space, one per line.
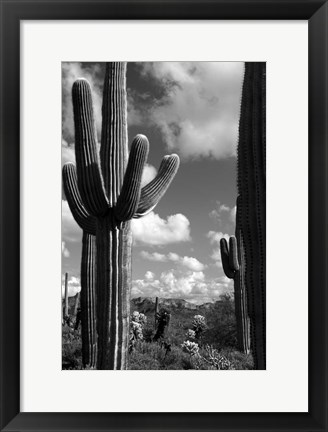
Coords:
191,109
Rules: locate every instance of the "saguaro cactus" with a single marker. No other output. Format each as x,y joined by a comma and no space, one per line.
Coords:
111,193
77,303
233,262
251,202
156,312
65,314
88,266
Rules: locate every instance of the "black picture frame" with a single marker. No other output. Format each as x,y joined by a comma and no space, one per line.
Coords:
12,12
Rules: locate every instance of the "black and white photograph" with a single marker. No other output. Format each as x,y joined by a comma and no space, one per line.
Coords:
163,216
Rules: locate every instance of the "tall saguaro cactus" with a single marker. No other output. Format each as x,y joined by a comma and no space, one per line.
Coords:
88,262
233,262
110,188
251,202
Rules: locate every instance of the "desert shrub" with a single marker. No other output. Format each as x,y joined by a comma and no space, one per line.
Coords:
155,356
71,348
239,360
221,329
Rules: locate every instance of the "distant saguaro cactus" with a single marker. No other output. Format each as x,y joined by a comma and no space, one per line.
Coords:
88,266
233,263
65,312
156,312
251,202
163,324
110,188
77,303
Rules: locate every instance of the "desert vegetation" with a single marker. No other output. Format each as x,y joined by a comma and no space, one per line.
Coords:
200,337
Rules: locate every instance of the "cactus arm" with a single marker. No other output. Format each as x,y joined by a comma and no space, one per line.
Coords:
129,198
114,144
85,221
233,254
89,176
229,271
153,191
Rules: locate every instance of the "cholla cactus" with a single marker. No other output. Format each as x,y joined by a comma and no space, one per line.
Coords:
138,320
190,348
110,193
190,334
139,317
215,359
199,325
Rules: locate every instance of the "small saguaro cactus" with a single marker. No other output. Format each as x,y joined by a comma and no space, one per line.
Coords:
156,312
233,264
163,324
109,184
88,266
65,312
77,303
251,153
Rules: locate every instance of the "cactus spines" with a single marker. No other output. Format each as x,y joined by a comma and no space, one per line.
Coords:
65,314
251,202
110,192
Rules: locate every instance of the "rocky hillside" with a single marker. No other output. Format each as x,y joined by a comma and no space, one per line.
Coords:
147,304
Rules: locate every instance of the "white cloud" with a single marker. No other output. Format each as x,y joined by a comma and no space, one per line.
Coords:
149,173
153,230
65,251
74,286
233,212
221,212
189,285
68,152
188,262
71,232
149,276
199,112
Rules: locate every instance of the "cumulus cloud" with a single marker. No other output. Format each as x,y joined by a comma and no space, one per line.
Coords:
215,238
188,262
232,215
149,173
68,152
223,213
189,285
198,110
65,251
71,232
74,286
153,230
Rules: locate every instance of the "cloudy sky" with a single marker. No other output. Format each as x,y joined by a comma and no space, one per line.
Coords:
191,109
